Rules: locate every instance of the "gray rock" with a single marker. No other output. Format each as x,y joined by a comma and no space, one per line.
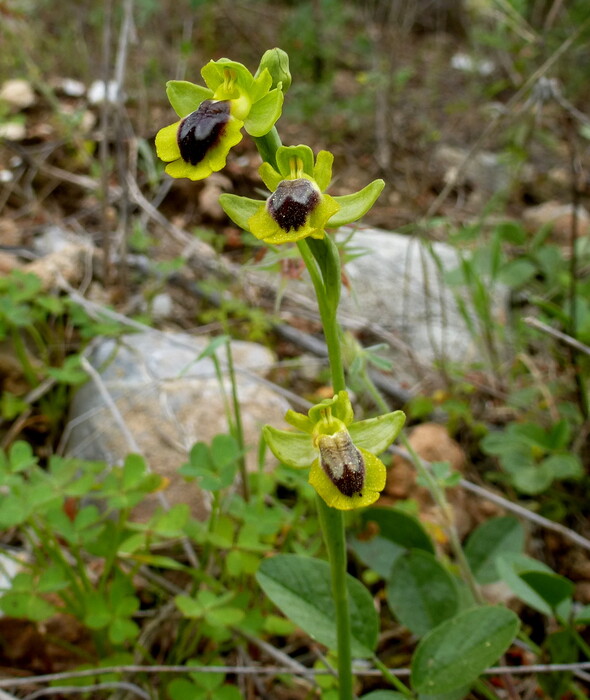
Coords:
168,400
398,283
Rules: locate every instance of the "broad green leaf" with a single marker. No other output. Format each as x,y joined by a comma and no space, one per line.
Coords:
456,652
489,540
188,606
387,533
510,566
515,273
583,616
224,617
421,592
26,605
21,456
564,466
134,470
300,587
552,588
384,695
533,479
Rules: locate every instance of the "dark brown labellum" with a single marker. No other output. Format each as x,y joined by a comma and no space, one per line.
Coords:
292,202
201,130
342,462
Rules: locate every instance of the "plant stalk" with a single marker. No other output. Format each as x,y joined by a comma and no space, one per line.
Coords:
332,520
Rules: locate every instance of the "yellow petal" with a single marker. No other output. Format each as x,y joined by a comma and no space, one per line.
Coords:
375,475
167,143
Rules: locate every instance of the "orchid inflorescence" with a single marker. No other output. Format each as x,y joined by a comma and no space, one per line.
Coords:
340,453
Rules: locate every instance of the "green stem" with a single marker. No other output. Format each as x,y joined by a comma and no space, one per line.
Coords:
323,264
267,146
332,524
394,680
328,317
332,520
239,430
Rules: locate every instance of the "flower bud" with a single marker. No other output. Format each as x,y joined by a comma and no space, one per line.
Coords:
277,63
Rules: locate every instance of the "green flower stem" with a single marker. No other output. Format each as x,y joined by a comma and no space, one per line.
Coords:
325,296
332,524
332,520
323,265
267,146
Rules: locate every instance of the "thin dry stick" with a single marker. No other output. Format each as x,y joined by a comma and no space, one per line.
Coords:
558,335
273,671
509,506
71,690
131,443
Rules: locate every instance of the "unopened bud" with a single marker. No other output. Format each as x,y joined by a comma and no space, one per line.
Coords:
277,62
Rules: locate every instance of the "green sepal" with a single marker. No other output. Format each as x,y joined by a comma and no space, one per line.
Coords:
340,407
214,75
276,61
322,171
285,154
239,209
299,421
354,206
293,449
376,434
264,113
186,97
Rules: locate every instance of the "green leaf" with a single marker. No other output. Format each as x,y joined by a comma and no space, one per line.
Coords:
224,617
564,466
300,587
354,206
134,470
26,605
122,630
533,479
421,592
388,533
552,588
516,273
239,209
510,566
188,606
491,539
21,456
186,97
456,652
